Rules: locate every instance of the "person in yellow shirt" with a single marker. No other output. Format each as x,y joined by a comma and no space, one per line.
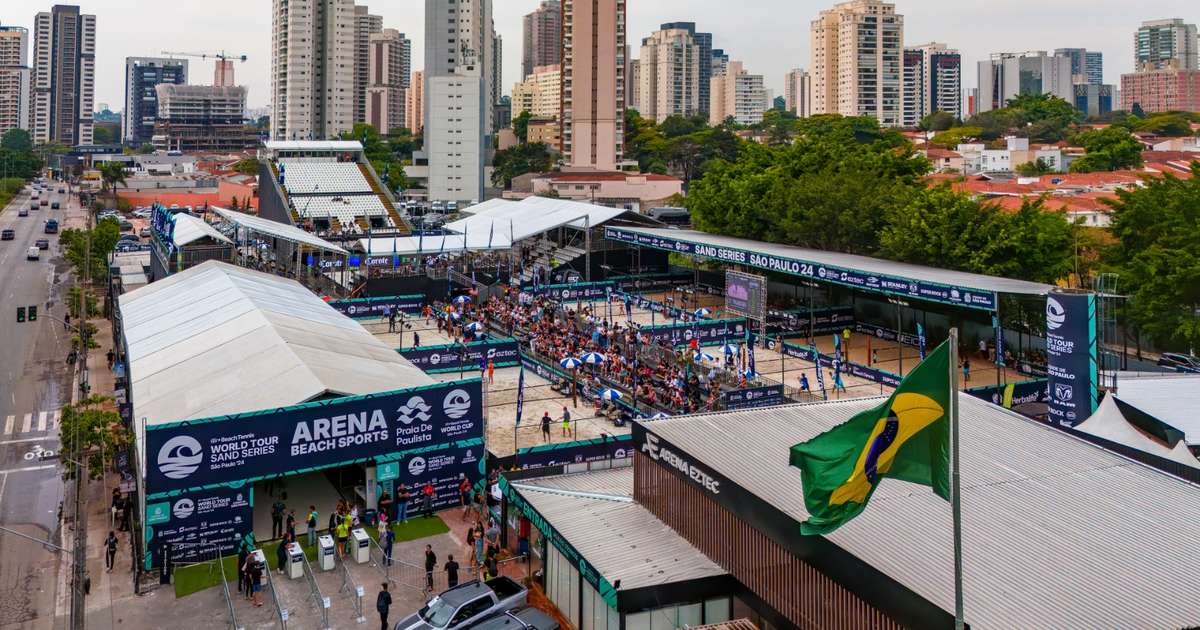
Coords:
343,535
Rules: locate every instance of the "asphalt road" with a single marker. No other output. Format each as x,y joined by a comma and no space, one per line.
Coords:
35,382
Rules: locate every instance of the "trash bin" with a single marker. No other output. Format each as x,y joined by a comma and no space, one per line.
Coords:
325,554
295,564
361,545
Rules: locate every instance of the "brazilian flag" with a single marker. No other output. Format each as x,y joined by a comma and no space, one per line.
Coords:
907,437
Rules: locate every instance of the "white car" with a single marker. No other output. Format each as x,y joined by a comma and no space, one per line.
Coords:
33,254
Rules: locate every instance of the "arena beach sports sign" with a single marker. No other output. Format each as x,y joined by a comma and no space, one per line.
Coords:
894,285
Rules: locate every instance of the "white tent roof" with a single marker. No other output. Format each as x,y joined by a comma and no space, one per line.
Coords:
1109,423
1173,399
314,145
189,229
274,228
218,339
432,245
532,216
487,205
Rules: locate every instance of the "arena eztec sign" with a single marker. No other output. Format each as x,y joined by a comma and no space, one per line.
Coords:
200,453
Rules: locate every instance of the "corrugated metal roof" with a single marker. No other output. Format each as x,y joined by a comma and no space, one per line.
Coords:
286,232
1173,399
218,339
621,539
864,264
1057,533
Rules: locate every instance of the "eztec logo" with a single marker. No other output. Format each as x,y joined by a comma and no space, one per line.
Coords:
416,466
456,404
1056,315
180,457
183,508
415,409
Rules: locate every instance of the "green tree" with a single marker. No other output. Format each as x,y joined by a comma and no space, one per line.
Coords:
112,174
1158,256
534,157
937,121
644,143
1108,149
103,238
1171,125
520,126
248,166
1036,168
676,125
91,433
146,149
951,138
17,140
103,134
1137,111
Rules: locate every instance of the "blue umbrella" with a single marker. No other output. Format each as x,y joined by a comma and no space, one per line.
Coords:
731,348
475,326
749,374
462,299
610,394
455,315
570,363
702,312
704,356
593,358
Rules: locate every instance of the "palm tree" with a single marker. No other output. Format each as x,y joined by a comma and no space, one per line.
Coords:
112,174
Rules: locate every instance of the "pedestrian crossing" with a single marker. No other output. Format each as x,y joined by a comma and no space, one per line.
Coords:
32,422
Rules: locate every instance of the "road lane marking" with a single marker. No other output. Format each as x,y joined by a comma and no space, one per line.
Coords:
26,469
41,421
54,419
26,440
27,424
8,424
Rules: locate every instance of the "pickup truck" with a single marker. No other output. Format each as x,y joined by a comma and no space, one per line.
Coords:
527,619
466,605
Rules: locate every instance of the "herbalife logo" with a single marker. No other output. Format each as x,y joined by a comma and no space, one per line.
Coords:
180,457
457,404
415,409
1056,315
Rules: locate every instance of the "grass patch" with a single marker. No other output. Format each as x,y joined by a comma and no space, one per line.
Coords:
198,577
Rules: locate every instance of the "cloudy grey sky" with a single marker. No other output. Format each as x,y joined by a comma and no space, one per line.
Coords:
770,36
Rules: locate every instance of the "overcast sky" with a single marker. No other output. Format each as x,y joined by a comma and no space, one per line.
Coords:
770,36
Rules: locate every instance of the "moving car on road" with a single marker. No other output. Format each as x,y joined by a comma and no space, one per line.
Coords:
51,226
466,605
54,206
7,235
33,254
42,243
23,212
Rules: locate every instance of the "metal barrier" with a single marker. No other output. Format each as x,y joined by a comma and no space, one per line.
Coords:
280,611
322,602
399,572
349,586
225,587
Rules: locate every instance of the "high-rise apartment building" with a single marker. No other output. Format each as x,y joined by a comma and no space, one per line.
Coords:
541,43
459,96
142,74
1005,76
202,118
312,68
540,94
1166,90
593,65
669,75
1161,44
414,103
223,73
64,76
797,92
496,57
857,61
389,65
932,82
633,83
365,25
738,94
1087,66
14,78
704,43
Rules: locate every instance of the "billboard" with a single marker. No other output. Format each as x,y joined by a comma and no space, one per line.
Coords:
456,357
379,306
746,294
564,453
709,332
573,291
767,396
212,451
194,522
1071,356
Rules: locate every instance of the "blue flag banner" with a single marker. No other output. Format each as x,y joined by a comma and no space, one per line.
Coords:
921,340
999,340
520,393
820,374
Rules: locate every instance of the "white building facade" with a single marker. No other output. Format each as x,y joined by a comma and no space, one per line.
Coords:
312,68
63,77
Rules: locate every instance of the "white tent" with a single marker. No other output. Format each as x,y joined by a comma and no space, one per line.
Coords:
433,245
1109,422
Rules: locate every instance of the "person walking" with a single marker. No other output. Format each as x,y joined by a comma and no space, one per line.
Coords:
277,510
391,320
110,551
478,547
546,425
471,546
385,506
804,383
966,367
492,535
464,495
389,540
566,421
430,565
343,535
256,576
383,603
451,571
312,526
491,371
416,339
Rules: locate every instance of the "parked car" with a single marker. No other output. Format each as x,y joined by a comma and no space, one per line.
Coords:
132,238
42,243
144,232
451,206
7,235
1178,361
466,605
128,246
524,619
33,254
126,226
670,216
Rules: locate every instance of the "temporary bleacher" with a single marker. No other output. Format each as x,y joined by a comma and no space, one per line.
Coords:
321,178
346,209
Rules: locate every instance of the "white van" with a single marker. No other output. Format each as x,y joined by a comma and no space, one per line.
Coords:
33,254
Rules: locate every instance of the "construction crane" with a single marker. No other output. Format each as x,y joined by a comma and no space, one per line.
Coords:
222,55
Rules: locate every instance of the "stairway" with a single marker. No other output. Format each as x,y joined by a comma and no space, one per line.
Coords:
393,214
546,253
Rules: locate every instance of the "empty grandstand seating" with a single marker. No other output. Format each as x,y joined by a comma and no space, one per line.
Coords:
307,178
344,209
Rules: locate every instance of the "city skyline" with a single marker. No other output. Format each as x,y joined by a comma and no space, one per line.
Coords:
770,47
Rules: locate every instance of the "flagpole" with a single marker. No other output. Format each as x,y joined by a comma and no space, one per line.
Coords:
955,486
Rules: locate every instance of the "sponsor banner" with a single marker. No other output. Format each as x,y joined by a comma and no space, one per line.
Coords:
861,371
887,334
708,332
583,451
746,294
554,375
1071,356
518,504
821,321
440,465
194,522
894,285
767,396
573,291
456,357
198,453
655,282
1013,394
363,308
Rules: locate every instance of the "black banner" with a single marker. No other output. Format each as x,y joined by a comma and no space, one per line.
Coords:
545,455
708,332
195,522
575,291
766,396
363,308
1071,357
312,436
463,357
887,334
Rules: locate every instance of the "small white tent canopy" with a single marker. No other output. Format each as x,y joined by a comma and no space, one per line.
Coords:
1109,422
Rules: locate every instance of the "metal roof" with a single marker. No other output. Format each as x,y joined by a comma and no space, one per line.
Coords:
1057,533
314,145
289,233
620,538
864,264
1173,399
432,245
1110,423
189,229
218,339
532,216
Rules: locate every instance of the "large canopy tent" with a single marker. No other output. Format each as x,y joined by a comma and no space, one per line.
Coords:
1120,422
274,229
